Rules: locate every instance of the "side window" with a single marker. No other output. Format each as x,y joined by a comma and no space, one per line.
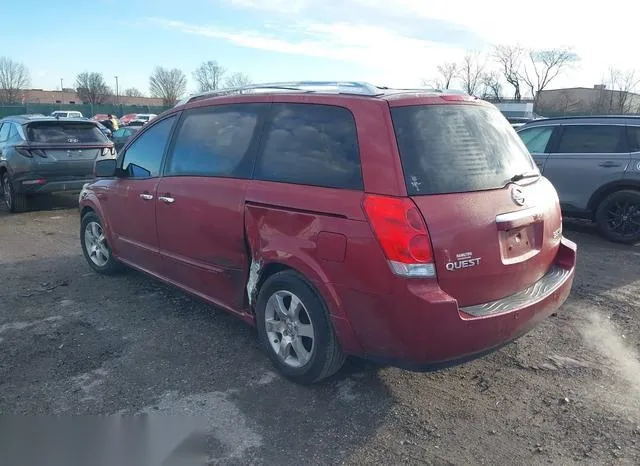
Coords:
633,134
144,157
536,139
592,139
4,131
311,145
13,133
214,141
120,133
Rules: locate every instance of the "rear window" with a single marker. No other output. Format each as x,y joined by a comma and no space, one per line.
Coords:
457,148
60,132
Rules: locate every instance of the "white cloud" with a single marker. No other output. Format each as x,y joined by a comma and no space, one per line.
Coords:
389,55
281,6
601,36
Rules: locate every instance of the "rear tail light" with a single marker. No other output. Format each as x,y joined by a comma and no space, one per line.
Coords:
24,152
108,151
31,152
402,234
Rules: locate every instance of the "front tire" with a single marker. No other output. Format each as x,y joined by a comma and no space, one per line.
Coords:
295,330
15,202
95,248
618,217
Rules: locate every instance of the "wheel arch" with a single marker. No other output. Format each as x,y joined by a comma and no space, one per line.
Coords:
601,193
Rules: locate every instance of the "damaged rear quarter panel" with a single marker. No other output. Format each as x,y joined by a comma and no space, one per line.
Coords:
283,224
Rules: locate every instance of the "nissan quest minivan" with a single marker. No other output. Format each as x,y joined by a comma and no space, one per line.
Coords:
410,227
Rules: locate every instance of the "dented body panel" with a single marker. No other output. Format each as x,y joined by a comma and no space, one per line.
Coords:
222,235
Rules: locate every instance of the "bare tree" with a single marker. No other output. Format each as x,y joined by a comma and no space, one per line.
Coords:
133,92
237,80
91,88
209,76
436,83
471,71
623,84
169,85
14,77
492,86
543,67
509,57
448,72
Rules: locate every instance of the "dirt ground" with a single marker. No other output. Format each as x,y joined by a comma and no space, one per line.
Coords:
72,342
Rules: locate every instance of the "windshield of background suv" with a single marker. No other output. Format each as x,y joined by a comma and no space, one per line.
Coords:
61,132
457,148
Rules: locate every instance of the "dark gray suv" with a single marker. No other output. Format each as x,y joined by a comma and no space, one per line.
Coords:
594,164
42,155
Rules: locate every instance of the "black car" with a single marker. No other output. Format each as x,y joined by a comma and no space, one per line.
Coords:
42,155
122,135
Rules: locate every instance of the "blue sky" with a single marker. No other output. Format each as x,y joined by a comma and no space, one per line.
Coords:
395,43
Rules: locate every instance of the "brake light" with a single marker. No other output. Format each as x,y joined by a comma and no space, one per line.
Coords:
24,152
402,234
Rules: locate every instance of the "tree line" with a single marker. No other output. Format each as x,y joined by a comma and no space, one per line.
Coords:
515,72
167,84
488,74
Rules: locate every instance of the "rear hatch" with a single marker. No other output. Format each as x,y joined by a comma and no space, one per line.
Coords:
65,149
494,223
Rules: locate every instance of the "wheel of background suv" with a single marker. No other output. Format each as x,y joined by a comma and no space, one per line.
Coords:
15,202
618,217
295,330
94,245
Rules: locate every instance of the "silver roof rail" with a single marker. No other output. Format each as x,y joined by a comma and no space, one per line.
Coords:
331,87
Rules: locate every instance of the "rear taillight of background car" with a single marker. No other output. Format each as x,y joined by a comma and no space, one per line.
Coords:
30,153
107,151
402,234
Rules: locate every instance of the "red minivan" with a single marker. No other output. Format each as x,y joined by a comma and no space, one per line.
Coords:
411,227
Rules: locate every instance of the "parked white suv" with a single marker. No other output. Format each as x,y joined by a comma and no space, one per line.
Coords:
66,114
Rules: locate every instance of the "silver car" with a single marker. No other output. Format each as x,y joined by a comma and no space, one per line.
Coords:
594,164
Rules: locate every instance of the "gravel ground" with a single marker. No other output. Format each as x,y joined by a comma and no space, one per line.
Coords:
73,342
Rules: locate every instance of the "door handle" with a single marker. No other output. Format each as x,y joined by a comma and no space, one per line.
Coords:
166,199
609,164
146,196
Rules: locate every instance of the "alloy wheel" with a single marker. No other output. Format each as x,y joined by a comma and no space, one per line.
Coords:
96,244
289,329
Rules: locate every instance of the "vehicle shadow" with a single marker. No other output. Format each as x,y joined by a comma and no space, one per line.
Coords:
151,346
46,203
604,269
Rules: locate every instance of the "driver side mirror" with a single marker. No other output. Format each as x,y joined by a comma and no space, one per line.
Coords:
106,168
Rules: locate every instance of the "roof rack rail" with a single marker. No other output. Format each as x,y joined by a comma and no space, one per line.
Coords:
333,87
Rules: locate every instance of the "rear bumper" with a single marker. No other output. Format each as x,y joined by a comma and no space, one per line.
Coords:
42,185
419,327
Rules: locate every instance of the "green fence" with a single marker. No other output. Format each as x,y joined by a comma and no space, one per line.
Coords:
87,110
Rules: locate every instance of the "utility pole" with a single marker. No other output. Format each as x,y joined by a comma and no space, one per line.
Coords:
117,91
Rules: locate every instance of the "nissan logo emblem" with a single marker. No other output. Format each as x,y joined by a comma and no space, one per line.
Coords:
518,196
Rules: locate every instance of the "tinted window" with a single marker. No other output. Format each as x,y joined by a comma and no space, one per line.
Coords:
215,142
311,145
64,132
14,136
591,139
633,133
144,157
4,132
536,139
457,148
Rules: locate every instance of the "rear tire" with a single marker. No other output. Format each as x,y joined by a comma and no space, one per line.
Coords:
618,217
95,248
15,202
295,329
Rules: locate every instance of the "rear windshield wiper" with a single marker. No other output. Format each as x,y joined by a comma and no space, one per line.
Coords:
522,176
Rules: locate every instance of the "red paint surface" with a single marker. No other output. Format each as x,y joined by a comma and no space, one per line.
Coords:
206,240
